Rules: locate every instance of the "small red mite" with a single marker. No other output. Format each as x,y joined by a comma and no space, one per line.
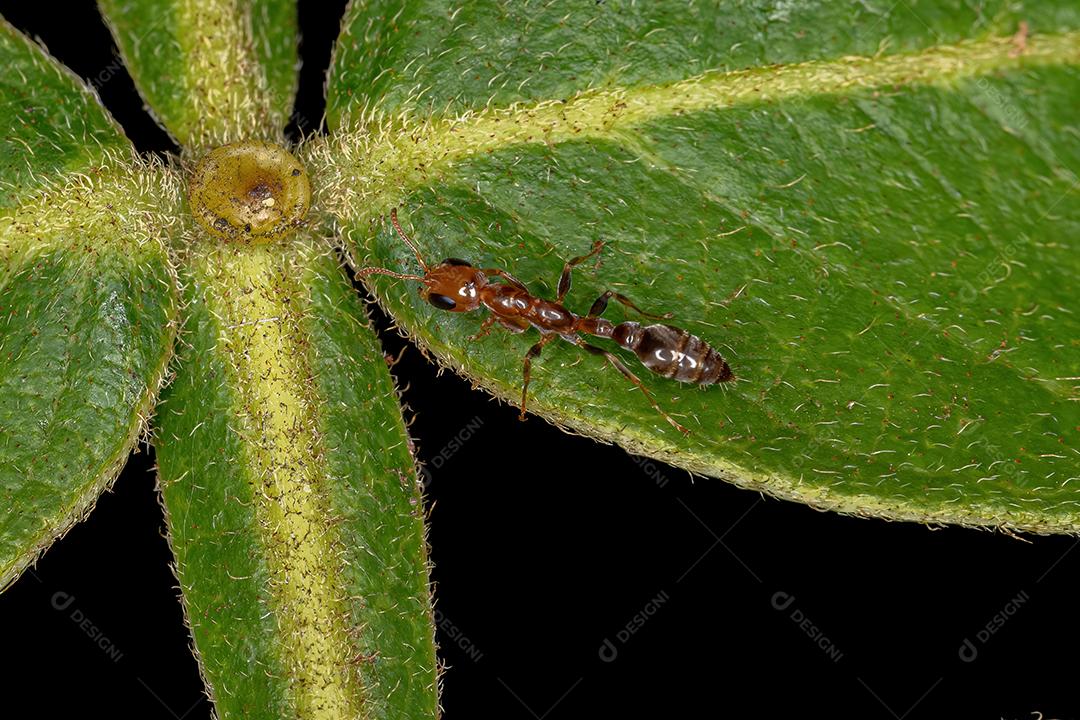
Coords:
457,286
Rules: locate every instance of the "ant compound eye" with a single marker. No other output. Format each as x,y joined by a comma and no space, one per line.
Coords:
456,261
441,301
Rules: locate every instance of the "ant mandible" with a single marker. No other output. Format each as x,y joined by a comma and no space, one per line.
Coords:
457,286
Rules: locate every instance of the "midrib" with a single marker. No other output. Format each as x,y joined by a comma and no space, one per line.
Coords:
226,84
257,294
382,160
395,158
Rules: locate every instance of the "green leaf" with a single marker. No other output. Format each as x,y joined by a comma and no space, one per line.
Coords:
434,60
292,501
87,301
868,212
52,124
212,72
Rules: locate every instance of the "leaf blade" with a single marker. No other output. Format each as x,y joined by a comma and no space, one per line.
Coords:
87,301
212,72
821,202
424,59
340,621
53,124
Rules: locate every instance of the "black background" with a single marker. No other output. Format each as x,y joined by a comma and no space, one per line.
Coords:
545,545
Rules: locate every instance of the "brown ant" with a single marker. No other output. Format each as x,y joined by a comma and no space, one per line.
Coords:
457,286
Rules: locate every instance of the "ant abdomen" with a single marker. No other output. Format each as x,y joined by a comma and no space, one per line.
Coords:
673,353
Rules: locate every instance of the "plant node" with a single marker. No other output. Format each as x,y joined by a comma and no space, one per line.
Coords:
252,191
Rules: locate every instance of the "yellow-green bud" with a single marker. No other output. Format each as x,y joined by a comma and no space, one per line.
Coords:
251,191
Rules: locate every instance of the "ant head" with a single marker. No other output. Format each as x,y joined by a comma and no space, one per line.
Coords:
453,285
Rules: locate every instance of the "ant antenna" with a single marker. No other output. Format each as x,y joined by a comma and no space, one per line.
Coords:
364,272
416,250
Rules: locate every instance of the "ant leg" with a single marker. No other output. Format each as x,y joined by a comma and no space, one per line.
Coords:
618,364
485,327
564,280
514,325
600,306
506,276
534,351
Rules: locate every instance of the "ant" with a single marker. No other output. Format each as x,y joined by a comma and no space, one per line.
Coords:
457,286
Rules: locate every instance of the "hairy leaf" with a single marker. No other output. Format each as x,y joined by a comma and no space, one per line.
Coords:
293,506
87,301
52,124
868,212
212,72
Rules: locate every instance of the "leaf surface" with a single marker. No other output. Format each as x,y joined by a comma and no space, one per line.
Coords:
52,124
87,300
292,502
870,213
212,72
